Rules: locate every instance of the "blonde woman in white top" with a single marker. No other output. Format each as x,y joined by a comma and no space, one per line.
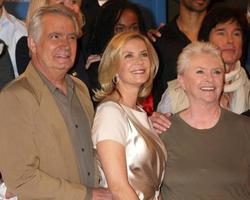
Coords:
132,156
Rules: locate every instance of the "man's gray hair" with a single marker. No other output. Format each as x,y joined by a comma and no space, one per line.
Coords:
35,24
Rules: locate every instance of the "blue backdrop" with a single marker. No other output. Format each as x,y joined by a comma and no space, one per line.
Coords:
17,7
154,11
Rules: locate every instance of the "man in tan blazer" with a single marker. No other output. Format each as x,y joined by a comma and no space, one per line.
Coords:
46,115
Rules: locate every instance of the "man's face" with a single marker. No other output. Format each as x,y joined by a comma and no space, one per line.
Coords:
195,5
228,37
54,52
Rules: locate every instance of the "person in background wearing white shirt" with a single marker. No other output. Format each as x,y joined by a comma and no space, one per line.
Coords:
11,29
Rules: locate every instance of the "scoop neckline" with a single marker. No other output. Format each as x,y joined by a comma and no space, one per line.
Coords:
202,131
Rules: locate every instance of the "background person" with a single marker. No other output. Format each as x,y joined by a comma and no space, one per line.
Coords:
122,134
208,146
175,35
11,30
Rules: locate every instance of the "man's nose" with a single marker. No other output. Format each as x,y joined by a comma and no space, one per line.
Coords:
65,42
230,38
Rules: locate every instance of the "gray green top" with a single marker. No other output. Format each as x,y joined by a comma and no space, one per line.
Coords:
210,163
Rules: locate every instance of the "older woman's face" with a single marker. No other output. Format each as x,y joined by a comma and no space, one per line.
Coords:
203,79
134,69
228,37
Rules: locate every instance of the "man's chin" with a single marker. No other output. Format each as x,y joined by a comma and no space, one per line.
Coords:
64,65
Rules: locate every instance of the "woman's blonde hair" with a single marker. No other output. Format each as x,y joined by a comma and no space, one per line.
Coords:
109,65
195,48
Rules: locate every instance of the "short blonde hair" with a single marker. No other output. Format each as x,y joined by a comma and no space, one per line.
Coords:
109,65
195,48
35,25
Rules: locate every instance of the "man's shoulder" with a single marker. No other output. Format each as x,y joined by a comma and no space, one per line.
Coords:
82,92
79,83
18,87
81,86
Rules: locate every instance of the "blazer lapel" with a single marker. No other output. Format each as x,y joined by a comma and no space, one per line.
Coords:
84,98
53,117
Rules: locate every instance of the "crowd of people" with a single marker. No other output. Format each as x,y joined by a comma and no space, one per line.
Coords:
74,80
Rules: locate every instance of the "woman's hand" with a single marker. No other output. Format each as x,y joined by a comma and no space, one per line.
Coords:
101,194
153,34
9,195
160,121
91,59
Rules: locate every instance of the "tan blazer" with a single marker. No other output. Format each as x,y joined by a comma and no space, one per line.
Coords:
37,159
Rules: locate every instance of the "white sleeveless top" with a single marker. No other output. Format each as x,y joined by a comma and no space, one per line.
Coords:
145,164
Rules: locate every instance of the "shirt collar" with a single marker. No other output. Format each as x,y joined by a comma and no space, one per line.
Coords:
53,88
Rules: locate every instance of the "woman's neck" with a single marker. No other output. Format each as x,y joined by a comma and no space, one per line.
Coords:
202,117
128,96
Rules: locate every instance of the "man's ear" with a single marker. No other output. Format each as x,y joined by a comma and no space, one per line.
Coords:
31,45
180,79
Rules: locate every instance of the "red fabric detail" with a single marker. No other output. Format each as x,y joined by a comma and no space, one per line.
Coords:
148,104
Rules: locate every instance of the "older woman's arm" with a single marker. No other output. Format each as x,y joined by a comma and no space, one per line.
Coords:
112,157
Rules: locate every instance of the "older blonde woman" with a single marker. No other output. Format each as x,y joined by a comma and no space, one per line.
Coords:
131,154
208,146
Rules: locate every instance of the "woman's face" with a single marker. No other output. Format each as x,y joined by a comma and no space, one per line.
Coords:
203,79
228,37
134,68
127,22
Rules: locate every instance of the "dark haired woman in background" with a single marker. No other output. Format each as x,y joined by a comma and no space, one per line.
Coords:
115,16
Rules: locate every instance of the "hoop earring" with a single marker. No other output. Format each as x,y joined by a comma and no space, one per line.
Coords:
115,79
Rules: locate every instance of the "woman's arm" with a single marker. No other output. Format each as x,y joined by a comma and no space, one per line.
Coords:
113,160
